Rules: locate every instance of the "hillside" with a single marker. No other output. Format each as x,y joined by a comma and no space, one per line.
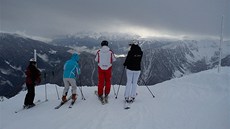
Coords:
197,101
162,59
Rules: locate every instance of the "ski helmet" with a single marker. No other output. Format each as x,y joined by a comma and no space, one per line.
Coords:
32,60
135,42
104,43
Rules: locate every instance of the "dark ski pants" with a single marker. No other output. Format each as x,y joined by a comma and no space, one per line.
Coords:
30,95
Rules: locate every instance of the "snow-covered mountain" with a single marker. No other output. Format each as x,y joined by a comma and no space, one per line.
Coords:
16,50
197,101
178,58
106,35
163,59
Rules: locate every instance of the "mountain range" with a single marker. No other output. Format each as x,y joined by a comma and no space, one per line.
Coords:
162,59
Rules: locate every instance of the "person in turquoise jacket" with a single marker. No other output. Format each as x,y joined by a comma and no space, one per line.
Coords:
71,72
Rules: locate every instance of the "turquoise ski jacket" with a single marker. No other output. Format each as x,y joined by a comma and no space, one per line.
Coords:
71,67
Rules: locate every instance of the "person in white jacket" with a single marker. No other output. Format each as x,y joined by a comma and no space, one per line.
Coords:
104,57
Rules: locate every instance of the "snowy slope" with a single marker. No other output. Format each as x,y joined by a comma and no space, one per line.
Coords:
197,101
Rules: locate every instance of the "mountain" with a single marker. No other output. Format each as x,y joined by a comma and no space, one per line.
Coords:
162,60
197,101
91,42
16,51
178,58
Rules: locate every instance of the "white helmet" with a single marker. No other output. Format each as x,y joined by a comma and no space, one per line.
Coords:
32,60
135,42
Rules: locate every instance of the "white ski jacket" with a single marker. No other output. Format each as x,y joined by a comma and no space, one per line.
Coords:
105,57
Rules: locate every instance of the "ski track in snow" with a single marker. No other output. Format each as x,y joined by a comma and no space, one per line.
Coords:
197,101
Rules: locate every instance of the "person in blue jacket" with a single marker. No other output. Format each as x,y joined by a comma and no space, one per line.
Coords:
71,71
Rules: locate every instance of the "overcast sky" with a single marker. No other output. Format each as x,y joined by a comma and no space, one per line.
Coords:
169,18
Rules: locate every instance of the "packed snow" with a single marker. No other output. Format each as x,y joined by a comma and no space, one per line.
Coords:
196,101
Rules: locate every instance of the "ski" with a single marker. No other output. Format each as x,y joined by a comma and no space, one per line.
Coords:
24,108
127,105
62,103
106,100
101,100
72,103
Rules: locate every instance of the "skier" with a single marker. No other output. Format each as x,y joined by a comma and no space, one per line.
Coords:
104,57
133,69
71,71
32,78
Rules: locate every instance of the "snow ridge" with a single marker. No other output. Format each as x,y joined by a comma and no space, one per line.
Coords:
198,101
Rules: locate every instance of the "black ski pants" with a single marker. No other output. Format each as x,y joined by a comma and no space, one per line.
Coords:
29,99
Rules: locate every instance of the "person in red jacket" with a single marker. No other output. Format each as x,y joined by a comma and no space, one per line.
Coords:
32,78
104,57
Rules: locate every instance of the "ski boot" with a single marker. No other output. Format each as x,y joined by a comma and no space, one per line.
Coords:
106,98
132,100
74,97
127,99
64,99
101,99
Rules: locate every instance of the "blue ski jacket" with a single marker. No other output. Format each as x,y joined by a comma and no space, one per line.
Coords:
71,67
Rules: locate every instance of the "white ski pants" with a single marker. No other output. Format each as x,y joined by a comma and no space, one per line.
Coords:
131,85
67,83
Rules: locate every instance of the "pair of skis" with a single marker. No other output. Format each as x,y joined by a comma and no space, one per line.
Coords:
103,100
127,105
62,103
25,108
39,102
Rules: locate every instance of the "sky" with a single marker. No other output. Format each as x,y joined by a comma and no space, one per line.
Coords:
190,102
157,18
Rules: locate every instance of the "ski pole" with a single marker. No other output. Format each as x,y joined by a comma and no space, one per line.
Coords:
114,90
120,82
83,98
80,88
56,87
148,88
46,93
57,92
45,87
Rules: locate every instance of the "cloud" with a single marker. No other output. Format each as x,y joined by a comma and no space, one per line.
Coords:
145,17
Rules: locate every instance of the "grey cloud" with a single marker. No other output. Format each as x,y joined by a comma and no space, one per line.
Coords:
173,17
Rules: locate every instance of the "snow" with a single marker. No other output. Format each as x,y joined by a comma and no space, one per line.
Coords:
26,36
6,82
196,101
200,51
107,35
14,67
52,51
120,55
44,57
4,71
177,73
81,49
2,98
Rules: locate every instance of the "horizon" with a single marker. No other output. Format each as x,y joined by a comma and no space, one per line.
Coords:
107,34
